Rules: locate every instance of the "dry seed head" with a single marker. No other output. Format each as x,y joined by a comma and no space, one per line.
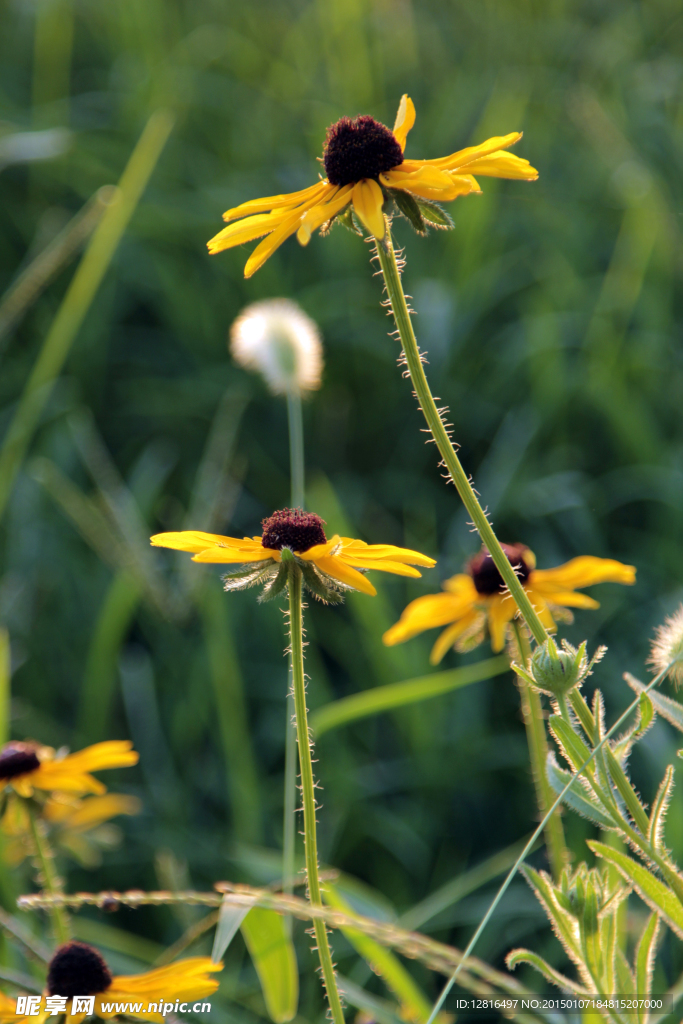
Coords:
667,647
278,340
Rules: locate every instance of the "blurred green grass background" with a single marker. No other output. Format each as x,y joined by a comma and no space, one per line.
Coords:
552,321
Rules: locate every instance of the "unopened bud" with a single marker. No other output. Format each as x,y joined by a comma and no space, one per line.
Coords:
557,671
278,340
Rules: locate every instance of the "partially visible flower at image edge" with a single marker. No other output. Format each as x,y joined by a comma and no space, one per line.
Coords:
29,766
78,969
476,599
667,647
329,567
278,340
365,167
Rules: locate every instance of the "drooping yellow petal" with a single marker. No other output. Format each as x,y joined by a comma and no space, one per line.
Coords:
71,774
367,202
428,612
320,550
345,574
276,202
98,809
584,571
382,565
423,174
265,249
185,980
463,157
322,213
351,549
405,119
461,584
449,636
503,165
501,610
195,541
232,556
245,231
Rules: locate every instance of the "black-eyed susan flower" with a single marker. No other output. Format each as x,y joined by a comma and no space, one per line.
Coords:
366,173
28,766
8,1011
328,567
79,827
77,969
471,601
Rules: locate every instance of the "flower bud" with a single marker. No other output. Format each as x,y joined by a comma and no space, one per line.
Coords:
278,340
556,672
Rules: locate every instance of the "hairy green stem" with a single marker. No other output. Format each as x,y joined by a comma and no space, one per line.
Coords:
51,882
399,306
534,723
296,473
529,846
308,789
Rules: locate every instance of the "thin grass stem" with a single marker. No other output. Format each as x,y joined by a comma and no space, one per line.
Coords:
527,849
308,790
440,433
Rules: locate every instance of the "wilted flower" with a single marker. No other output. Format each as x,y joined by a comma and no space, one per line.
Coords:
480,597
366,174
278,340
667,647
328,567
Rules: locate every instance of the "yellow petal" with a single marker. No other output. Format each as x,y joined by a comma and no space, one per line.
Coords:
501,610
334,567
503,165
450,635
461,584
405,119
583,571
428,612
245,231
377,552
382,565
466,156
322,213
367,202
423,174
320,550
232,556
276,202
193,541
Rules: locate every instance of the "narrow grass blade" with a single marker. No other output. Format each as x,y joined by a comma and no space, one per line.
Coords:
79,298
26,288
5,683
272,952
230,918
396,695
372,1006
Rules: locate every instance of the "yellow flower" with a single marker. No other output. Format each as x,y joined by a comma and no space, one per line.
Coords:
28,766
77,969
78,826
365,167
9,1015
328,567
472,600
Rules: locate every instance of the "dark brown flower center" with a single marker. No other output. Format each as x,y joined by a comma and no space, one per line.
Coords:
487,579
17,759
77,969
293,528
357,148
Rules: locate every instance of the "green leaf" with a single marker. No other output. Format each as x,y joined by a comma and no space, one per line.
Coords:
525,956
626,790
589,928
576,797
230,918
562,920
347,220
658,896
272,952
410,209
396,695
664,706
660,806
644,961
414,1004
435,215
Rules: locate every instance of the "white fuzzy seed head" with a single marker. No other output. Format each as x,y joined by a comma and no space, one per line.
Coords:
667,647
278,340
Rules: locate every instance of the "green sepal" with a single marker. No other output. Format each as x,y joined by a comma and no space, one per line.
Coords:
249,576
408,206
313,581
347,220
435,215
276,585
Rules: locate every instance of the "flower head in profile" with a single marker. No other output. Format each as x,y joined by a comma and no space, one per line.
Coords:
667,647
328,567
28,766
366,177
77,969
278,340
479,598
77,826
